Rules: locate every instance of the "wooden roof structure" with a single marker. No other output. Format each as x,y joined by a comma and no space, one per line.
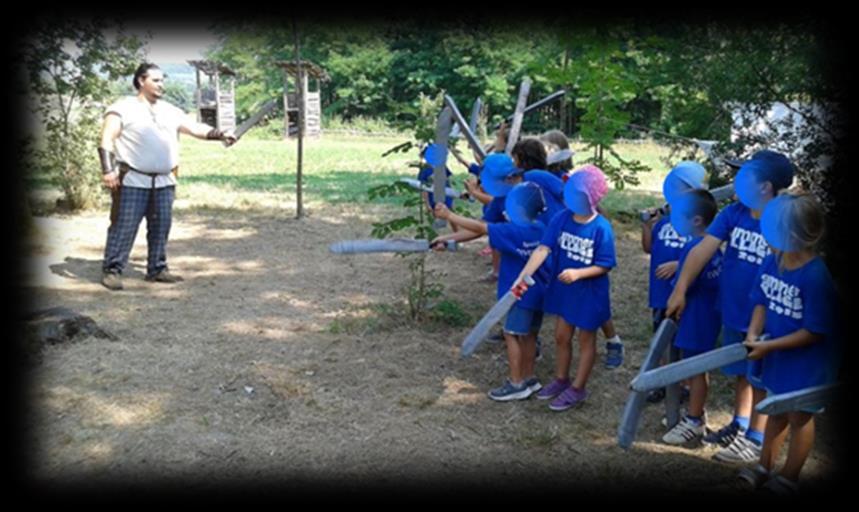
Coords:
210,67
310,69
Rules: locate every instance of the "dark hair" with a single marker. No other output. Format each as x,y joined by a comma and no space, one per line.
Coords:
560,141
775,168
704,204
530,154
142,72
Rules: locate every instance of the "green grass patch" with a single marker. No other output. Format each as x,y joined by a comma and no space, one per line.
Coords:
341,169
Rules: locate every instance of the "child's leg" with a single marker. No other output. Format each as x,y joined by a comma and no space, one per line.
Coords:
608,329
743,398
496,261
699,386
801,442
528,352
514,357
758,421
613,346
563,348
587,354
776,431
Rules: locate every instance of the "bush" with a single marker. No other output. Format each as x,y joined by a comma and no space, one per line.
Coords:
71,159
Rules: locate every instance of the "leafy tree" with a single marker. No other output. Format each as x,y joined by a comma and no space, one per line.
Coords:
599,70
69,68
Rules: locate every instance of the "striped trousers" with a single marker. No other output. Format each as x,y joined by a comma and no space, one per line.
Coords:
129,207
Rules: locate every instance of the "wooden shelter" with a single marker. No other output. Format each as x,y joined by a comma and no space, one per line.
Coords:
312,106
215,97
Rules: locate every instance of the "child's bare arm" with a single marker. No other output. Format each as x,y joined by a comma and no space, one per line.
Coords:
475,191
796,339
473,225
756,325
575,274
537,258
666,270
462,235
694,264
646,236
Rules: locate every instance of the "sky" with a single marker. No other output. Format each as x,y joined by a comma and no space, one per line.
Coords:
176,44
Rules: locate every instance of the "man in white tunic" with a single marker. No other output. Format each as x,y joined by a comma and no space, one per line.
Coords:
139,154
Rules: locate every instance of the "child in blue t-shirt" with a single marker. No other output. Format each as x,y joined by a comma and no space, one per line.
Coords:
661,241
498,177
699,327
738,225
515,240
583,243
795,304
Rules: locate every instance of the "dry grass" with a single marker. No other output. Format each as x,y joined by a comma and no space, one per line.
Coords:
273,358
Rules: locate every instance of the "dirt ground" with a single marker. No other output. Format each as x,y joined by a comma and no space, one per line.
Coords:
267,363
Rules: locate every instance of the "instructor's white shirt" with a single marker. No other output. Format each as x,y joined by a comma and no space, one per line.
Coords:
148,141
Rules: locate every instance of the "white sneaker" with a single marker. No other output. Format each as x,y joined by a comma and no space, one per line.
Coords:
742,449
684,432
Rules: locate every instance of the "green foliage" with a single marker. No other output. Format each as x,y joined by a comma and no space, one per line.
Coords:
383,71
605,85
178,95
70,68
422,288
418,224
71,156
449,312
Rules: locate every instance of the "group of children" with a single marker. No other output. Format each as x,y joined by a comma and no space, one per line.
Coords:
767,288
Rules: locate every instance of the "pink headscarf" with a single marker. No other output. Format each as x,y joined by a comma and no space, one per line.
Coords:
594,183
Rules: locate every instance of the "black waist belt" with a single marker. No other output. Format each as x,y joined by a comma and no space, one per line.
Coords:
124,168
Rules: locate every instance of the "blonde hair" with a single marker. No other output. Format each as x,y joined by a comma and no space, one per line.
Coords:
807,220
805,217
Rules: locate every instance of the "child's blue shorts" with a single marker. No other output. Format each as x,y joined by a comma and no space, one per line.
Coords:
751,370
523,321
658,315
688,352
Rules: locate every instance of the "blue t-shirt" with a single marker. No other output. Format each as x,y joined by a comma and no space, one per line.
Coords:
665,246
493,212
746,250
701,321
584,303
802,298
516,243
425,177
553,193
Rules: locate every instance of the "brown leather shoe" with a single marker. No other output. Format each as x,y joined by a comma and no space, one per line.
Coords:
164,277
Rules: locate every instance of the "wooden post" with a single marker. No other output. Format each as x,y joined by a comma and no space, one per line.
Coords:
217,100
285,103
299,209
198,96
